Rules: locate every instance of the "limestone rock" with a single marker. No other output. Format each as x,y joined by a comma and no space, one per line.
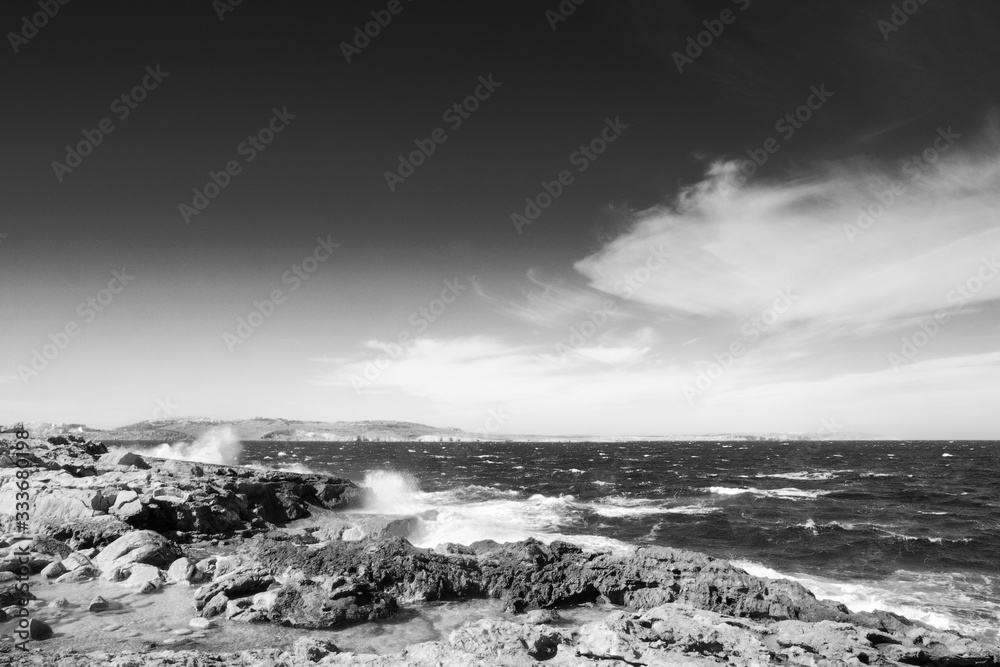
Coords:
53,570
140,546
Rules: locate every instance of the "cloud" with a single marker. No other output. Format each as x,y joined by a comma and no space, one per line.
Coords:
855,263
546,303
865,249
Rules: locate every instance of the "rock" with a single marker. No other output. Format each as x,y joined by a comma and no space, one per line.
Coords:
84,573
117,573
541,617
53,570
132,459
7,576
309,649
39,629
303,604
79,471
183,569
51,547
140,546
63,504
145,578
234,585
216,605
76,560
98,604
237,607
123,498
60,603
11,594
201,623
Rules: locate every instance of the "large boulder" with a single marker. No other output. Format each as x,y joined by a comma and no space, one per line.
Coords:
307,604
140,546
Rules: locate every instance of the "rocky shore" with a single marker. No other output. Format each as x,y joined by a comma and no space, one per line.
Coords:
246,548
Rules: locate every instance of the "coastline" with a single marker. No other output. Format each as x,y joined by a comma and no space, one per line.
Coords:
245,546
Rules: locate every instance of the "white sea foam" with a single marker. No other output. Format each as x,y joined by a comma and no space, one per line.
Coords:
219,446
471,513
790,492
803,475
944,600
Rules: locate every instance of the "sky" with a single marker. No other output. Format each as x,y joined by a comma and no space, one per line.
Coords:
603,218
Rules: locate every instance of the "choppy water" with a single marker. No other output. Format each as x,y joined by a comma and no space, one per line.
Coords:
911,527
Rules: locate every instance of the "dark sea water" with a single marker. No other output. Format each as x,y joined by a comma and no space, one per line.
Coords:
910,527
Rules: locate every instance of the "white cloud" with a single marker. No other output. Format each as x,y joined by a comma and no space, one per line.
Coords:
733,246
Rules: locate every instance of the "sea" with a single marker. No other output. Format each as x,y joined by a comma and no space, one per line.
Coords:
908,527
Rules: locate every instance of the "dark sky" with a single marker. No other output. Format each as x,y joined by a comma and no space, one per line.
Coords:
324,174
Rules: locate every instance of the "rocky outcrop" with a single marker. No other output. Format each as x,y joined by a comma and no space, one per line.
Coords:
530,574
665,636
87,497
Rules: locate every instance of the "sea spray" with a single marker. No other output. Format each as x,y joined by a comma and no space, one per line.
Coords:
219,446
391,492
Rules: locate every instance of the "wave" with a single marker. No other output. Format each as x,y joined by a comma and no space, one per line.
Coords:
219,446
804,475
472,513
946,600
790,492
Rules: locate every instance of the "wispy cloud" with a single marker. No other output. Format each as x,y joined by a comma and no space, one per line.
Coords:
732,246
